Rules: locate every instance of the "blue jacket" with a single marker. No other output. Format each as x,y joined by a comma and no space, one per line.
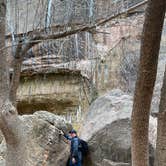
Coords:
74,149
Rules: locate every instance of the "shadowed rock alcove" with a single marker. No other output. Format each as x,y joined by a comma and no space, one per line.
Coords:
60,92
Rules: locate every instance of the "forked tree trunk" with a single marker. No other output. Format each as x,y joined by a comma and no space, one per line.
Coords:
10,125
160,159
150,46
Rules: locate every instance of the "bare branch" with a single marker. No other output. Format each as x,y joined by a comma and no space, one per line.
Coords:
39,38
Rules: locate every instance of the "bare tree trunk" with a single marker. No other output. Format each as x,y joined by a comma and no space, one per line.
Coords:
10,124
161,128
18,58
4,82
150,46
15,80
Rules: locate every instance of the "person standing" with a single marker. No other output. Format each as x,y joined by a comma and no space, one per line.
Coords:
75,152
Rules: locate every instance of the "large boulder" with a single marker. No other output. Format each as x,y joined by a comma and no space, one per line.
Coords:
107,128
44,144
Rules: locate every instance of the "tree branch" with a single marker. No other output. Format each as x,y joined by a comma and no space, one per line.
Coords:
83,28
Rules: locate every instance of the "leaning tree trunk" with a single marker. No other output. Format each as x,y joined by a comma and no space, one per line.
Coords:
150,46
10,124
161,128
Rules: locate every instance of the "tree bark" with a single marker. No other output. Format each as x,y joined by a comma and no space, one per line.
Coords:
160,159
4,81
10,124
150,46
18,58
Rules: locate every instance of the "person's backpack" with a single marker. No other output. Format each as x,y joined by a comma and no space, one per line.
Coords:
83,146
